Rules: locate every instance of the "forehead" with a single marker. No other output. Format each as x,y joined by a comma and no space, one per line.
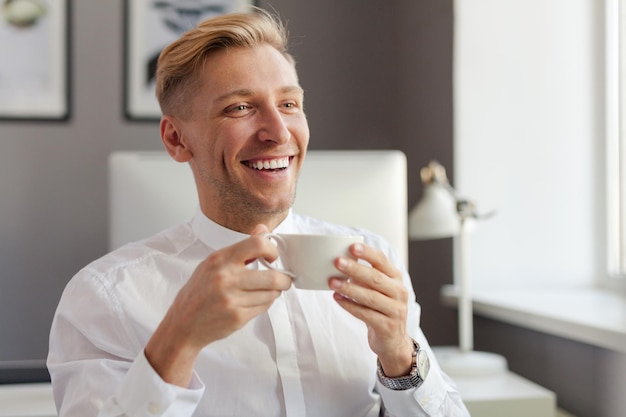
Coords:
257,69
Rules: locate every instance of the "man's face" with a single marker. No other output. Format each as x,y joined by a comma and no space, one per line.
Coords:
248,136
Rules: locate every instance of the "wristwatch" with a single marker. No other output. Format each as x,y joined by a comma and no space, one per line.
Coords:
419,370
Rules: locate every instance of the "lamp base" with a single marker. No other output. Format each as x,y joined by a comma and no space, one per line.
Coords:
455,362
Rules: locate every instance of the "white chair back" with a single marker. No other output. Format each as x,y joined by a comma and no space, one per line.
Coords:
150,192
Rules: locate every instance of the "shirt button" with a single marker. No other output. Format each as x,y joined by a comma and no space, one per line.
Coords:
155,408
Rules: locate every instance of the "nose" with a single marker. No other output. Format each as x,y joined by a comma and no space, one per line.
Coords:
274,126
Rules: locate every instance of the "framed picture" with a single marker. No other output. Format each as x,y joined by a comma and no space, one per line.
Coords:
34,68
150,25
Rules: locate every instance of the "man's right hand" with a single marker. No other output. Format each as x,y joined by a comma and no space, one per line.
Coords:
221,296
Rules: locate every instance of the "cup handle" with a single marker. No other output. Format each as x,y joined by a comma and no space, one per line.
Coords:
281,247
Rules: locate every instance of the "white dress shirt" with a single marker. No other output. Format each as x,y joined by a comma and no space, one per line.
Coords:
305,357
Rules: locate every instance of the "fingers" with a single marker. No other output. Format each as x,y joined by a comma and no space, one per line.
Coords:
222,295
265,280
255,246
380,275
376,295
247,251
366,302
376,259
376,287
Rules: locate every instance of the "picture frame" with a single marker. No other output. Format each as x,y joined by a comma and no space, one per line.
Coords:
149,26
35,81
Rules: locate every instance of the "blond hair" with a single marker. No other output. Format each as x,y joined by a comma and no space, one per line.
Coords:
179,64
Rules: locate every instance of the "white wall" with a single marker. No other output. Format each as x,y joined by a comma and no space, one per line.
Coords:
528,103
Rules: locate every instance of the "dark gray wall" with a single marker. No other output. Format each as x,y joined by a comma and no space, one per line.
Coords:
588,380
377,75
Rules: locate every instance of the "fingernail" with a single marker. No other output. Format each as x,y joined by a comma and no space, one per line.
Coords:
335,283
342,263
358,247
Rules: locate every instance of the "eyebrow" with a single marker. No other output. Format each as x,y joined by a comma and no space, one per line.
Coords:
244,92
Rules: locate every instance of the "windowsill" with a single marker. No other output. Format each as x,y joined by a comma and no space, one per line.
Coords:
588,315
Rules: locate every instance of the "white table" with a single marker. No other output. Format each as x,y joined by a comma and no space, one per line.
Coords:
27,400
505,394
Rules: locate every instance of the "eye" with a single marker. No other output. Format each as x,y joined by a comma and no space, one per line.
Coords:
290,106
238,109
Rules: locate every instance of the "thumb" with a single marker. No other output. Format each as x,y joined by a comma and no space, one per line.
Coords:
259,229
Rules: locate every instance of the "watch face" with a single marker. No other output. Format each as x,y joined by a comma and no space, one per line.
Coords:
423,364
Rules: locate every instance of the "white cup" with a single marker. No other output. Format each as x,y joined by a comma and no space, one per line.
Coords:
310,259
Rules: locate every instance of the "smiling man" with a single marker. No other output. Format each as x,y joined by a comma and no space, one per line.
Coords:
244,134
187,323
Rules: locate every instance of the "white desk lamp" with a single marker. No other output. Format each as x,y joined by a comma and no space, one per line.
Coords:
441,214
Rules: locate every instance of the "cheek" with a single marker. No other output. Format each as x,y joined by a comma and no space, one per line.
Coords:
224,147
234,134
215,139
301,131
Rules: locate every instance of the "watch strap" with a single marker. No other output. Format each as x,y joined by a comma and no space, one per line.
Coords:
401,383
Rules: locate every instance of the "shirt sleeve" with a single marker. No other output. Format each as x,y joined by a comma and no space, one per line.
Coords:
101,370
143,393
438,395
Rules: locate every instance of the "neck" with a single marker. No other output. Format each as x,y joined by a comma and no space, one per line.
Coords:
244,221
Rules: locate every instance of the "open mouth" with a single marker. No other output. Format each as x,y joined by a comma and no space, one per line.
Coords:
269,164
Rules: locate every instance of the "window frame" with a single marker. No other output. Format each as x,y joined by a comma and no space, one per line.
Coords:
615,152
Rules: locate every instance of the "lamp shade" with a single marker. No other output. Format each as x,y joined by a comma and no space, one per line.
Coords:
435,215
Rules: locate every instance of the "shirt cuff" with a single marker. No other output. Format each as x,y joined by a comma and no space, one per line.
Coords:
144,393
430,396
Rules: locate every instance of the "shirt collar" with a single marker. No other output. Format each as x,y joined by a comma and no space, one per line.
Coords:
217,237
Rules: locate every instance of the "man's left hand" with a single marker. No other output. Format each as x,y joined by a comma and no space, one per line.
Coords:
376,295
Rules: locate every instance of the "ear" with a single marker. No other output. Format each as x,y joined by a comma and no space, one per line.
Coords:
172,137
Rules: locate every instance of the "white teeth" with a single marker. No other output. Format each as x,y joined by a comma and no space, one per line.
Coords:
270,164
